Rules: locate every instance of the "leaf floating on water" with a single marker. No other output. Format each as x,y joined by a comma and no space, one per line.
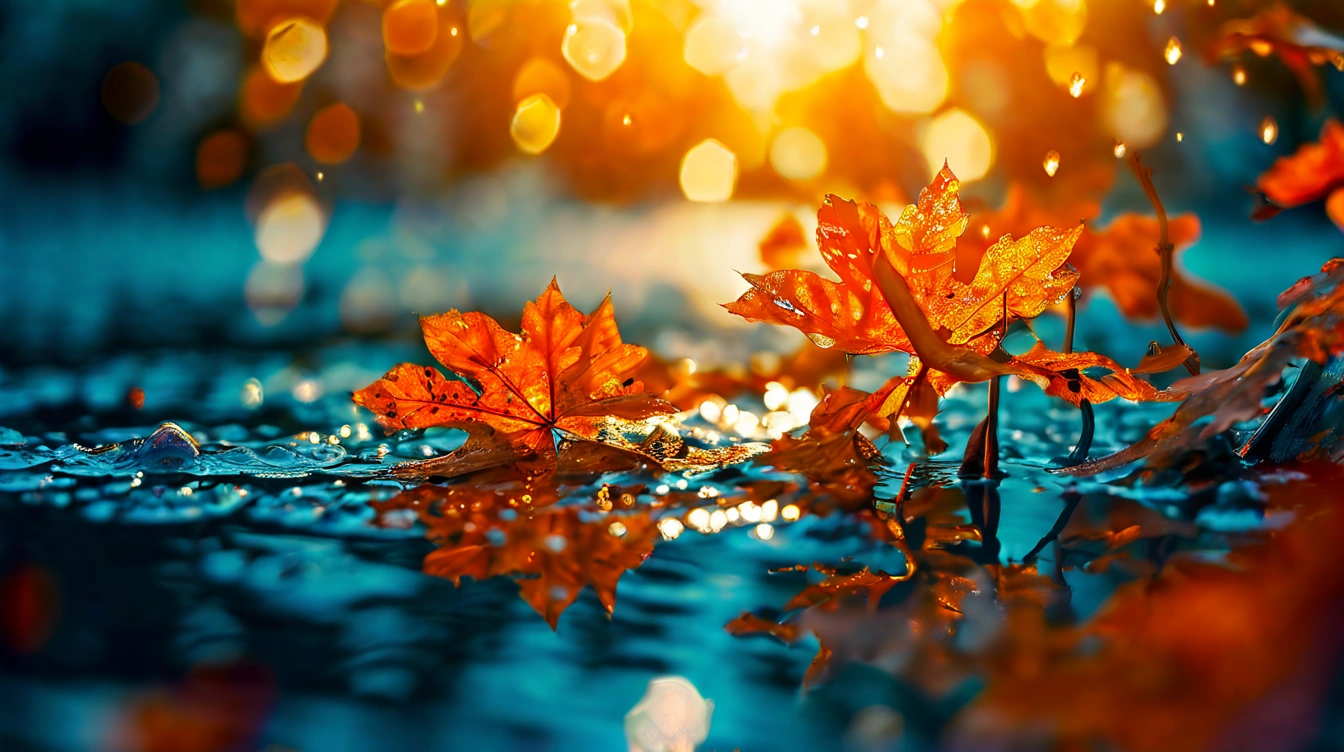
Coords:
566,376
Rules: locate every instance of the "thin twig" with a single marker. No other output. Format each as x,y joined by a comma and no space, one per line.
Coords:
1165,250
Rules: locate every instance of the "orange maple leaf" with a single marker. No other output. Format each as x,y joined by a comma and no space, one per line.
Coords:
1313,173
552,550
855,316
566,376
907,271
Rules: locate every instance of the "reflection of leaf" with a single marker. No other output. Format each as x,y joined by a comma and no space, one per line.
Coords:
1298,42
1314,173
1314,329
1203,656
552,550
566,375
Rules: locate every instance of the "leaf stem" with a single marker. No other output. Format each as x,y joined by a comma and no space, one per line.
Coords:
964,363
1084,444
991,466
1165,251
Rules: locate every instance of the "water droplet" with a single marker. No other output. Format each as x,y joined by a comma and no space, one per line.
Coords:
1051,163
1173,51
1269,130
1076,84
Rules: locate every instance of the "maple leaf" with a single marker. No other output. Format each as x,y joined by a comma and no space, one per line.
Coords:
854,315
1314,329
1314,173
906,271
1121,258
566,376
1298,42
552,550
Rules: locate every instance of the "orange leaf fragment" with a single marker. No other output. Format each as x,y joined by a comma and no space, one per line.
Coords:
1314,173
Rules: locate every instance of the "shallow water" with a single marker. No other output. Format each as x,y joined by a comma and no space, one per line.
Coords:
245,537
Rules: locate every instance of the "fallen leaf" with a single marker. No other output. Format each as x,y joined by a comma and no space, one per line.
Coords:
1314,329
566,376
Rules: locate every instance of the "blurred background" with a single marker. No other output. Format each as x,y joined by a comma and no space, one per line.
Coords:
272,173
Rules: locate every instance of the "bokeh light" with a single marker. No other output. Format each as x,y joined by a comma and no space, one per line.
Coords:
708,172
540,75
220,158
410,26
1132,107
290,228
535,124
798,154
294,49
594,48
263,100
333,134
956,137
130,92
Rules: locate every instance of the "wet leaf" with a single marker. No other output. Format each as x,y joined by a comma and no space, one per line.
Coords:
566,376
1314,330
854,316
